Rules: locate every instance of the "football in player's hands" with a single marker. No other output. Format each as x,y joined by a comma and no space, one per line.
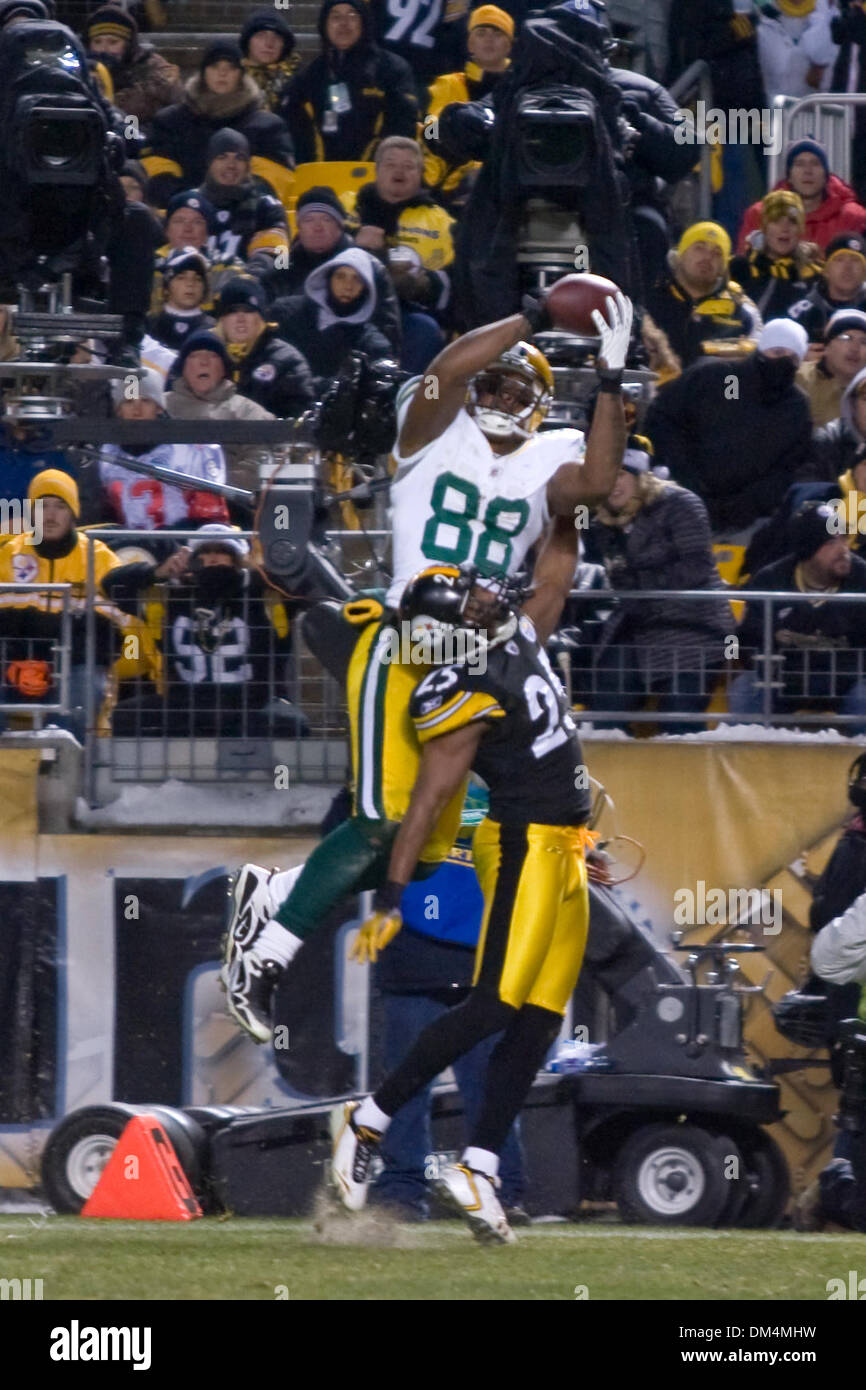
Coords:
572,300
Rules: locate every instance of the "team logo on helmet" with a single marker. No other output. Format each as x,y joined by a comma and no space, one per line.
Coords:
513,394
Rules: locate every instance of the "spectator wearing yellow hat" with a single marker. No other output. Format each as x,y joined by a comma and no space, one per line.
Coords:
489,41
54,552
703,311
780,266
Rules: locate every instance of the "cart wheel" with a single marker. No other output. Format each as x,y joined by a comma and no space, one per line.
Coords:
769,1182
81,1145
738,1187
673,1175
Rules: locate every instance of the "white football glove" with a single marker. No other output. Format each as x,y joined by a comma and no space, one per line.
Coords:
615,331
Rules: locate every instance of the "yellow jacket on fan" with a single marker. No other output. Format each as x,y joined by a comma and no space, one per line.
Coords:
424,226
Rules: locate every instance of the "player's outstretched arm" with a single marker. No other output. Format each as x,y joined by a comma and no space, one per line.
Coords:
589,482
445,762
442,389
553,577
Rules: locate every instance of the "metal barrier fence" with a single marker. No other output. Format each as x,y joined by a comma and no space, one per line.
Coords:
825,116
238,698
36,666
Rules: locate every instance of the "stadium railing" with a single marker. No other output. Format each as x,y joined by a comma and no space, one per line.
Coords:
286,715
827,117
16,601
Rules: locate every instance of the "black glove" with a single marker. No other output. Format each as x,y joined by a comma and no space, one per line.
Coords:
535,310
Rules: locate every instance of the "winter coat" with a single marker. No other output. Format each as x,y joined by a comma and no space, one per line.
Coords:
280,284
246,216
145,84
381,99
789,46
176,156
35,618
816,309
772,540
307,321
820,643
224,402
823,391
838,212
738,453
844,877
727,41
839,950
173,326
773,283
693,326
419,224
274,374
665,544
442,174
839,445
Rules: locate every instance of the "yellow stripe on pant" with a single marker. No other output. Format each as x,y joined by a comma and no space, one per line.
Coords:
536,912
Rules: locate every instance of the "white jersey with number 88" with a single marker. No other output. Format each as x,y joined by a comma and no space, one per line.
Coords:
456,500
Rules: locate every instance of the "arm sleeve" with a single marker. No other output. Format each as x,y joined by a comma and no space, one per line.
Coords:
839,949
401,103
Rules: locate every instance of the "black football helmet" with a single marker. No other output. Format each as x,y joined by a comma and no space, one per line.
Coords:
436,602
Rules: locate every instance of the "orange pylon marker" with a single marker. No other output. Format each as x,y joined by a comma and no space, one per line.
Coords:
143,1179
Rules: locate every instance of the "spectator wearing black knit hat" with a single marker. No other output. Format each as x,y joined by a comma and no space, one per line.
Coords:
247,217
190,220
269,55
321,221
201,388
820,647
220,94
185,286
264,366
826,379
842,285
353,95
143,81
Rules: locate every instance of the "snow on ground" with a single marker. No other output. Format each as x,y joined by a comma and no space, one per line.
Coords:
182,803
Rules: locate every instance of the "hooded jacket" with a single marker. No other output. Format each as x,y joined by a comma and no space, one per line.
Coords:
280,285
325,338
176,156
272,79
378,93
816,310
838,212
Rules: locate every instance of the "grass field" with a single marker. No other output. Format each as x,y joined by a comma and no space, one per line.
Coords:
369,1258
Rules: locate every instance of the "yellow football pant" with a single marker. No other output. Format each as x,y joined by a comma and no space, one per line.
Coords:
536,912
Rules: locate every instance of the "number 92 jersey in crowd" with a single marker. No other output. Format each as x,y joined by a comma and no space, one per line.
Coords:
530,757
457,500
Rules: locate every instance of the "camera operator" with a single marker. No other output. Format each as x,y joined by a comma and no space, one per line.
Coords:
839,958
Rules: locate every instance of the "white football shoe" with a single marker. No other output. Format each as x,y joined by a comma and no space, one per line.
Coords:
473,1196
353,1148
251,907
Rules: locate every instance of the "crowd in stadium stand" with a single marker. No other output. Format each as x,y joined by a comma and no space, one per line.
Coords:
270,263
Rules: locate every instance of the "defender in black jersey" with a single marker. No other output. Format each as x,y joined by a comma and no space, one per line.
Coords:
508,720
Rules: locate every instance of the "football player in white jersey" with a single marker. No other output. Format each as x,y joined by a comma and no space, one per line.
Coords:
474,480
474,483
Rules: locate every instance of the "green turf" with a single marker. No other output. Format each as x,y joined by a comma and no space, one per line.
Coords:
371,1259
